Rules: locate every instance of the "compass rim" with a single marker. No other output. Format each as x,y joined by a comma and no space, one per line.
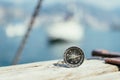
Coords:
81,60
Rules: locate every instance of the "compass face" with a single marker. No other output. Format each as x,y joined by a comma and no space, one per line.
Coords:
73,57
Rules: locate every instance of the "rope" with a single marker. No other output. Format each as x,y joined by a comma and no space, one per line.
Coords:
25,37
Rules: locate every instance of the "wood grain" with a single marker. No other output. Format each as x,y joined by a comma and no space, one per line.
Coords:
48,71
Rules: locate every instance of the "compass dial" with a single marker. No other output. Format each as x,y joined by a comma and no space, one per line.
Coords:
73,57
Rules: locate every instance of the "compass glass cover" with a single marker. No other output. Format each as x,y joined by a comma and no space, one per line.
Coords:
73,57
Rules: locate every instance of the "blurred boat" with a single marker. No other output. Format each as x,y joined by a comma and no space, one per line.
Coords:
65,31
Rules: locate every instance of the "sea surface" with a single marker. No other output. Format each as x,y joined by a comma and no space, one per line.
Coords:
38,47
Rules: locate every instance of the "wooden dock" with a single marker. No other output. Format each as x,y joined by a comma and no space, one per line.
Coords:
89,70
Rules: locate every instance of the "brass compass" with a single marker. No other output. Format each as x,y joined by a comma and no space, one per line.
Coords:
73,57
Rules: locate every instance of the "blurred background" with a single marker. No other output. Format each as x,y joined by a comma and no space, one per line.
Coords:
88,24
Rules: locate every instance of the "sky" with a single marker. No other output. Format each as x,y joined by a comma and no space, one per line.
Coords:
104,4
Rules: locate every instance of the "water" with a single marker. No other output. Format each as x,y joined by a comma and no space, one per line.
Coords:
39,49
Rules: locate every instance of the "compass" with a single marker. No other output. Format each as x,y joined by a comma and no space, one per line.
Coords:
73,57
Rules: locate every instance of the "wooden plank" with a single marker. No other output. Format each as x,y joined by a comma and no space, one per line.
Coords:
109,76
48,71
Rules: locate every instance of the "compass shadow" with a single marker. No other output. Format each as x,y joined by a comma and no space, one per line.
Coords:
60,65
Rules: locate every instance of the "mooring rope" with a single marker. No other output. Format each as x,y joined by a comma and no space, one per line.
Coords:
26,36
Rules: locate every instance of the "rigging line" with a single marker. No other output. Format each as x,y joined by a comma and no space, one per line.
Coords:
25,37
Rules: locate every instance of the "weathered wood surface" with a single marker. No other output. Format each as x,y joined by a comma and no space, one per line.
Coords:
108,76
89,70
